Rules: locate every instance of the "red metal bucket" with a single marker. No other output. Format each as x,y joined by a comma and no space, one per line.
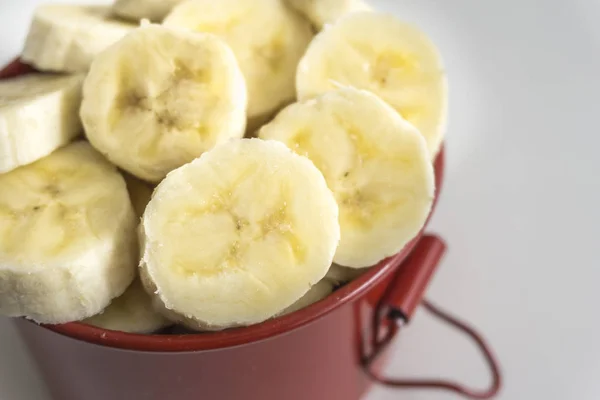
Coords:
312,354
320,352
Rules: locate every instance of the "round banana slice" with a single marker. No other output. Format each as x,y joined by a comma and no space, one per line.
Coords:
238,235
160,97
66,38
318,292
154,10
267,38
38,114
379,53
67,237
131,312
323,12
376,164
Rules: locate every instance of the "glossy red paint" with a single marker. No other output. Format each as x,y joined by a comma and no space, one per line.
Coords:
314,353
410,282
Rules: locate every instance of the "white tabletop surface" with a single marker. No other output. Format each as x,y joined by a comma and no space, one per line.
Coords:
519,208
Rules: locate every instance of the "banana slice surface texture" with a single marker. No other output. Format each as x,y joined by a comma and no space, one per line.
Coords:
267,38
238,235
160,97
374,161
318,292
323,12
67,38
67,237
136,10
131,312
38,114
379,53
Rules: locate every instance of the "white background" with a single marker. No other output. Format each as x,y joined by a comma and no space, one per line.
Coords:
520,203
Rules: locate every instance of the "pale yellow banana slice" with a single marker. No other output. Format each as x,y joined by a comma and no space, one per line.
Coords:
140,193
135,10
376,164
238,235
267,38
38,114
392,59
66,38
67,237
318,292
339,275
323,12
160,97
131,312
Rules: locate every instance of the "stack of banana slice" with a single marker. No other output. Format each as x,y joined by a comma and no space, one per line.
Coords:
210,164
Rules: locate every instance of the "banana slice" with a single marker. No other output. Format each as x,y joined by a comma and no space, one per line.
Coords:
38,114
376,164
318,292
339,275
323,12
66,38
131,312
67,237
381,54
140,193
154,10
267,38
160,97
237,235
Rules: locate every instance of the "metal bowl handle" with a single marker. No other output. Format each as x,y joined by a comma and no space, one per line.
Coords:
396,309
